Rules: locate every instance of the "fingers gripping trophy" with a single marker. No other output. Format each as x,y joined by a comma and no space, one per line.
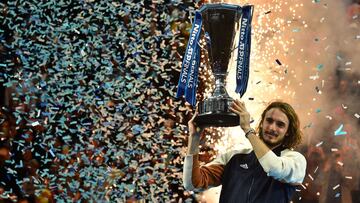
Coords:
221,24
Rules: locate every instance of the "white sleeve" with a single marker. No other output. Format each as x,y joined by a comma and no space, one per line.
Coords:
187,174
224,158
290,167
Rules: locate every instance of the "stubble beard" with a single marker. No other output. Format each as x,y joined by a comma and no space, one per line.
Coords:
271,145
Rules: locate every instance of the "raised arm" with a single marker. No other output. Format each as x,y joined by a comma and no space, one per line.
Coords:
194,175
260,148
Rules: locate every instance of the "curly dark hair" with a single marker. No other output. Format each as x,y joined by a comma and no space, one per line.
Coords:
294,132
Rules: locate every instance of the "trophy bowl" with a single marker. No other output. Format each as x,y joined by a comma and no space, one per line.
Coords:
221,22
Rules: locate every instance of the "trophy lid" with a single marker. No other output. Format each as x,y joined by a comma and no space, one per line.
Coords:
219,5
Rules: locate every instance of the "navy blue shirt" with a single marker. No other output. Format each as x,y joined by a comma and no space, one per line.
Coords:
245,181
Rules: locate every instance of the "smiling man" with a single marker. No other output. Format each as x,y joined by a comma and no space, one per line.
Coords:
268,172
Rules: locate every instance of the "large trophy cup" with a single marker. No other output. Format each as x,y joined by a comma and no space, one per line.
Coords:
221,24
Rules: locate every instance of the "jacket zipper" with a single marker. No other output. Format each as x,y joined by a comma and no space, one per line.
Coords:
252,182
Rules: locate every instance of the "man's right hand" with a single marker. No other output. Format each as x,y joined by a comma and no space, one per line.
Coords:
193,128
194,135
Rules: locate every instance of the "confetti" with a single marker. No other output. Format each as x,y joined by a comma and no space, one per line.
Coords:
357,115
340,131
328,117
35,123
314,77
278,62
319,144
348,63
319,67
87,74
311,177
336,186
317,167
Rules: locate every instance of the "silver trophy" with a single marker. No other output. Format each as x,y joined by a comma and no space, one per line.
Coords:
221,22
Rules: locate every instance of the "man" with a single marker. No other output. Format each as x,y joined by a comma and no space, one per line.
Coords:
268,172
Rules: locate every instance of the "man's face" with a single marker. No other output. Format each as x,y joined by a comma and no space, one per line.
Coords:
274,127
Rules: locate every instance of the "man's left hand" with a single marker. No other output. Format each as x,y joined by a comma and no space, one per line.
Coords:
238,107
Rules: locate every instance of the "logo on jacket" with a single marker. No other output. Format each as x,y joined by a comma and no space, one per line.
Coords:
244,166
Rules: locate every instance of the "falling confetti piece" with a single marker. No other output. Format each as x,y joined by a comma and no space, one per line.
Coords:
338,57
278,62
319,67
311,177
340,131
319,144
357,115
316,169
314,77
267,12
36,123
340,163
336,186
328,117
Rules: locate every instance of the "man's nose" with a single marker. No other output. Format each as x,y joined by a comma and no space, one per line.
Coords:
272,126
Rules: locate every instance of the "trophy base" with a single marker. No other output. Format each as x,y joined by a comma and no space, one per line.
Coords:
215,112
